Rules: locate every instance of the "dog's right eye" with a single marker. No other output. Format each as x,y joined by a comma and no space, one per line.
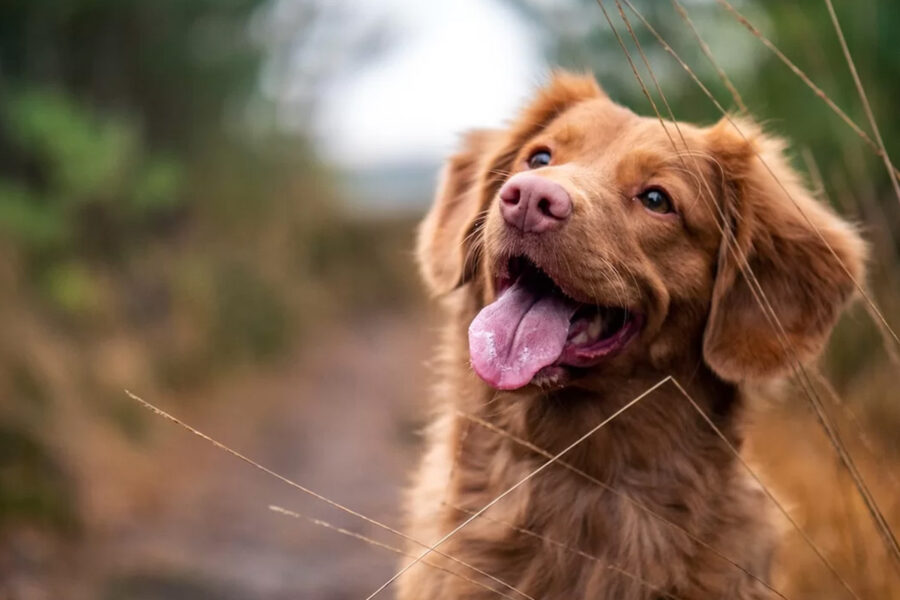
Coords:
656,200
539,159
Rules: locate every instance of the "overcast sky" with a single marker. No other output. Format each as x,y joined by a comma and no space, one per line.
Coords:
450,66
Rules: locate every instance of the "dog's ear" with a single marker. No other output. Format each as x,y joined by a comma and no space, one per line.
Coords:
804,258
472,177
443,245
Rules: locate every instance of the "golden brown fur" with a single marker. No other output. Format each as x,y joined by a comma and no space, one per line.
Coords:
702,325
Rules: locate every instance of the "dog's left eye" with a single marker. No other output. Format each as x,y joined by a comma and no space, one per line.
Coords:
539,159
656,200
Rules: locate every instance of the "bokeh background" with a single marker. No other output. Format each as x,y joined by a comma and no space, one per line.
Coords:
212,203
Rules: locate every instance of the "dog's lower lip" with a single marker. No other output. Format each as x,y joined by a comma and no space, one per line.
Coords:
594,352
573,359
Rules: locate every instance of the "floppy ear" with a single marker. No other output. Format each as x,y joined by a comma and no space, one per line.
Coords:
442,247
804,257
472,177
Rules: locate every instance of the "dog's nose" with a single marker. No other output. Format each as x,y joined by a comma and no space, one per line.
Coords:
534,204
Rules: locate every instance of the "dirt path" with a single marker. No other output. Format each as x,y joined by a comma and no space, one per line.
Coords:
340,418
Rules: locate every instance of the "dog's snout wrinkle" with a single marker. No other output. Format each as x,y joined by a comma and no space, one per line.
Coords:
534,204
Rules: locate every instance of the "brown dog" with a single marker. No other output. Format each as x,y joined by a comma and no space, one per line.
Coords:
584,254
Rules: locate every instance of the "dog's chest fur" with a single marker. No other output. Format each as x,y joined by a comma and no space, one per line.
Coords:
646,508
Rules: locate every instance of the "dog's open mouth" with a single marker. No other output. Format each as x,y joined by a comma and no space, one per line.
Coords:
533,331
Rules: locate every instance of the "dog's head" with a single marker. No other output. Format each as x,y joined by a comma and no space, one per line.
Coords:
593,238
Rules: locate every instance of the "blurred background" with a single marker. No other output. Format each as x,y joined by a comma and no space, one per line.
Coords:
212,203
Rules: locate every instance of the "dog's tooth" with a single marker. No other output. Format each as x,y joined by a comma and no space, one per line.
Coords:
596,326
581,338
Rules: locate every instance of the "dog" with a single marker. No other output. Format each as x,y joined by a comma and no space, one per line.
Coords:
582,256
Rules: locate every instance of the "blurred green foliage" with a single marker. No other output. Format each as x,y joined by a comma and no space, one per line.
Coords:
83,162
152,233
32,485
105,108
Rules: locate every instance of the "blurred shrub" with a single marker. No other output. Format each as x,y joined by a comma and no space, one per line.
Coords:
33,487
151,235
172,586
251,319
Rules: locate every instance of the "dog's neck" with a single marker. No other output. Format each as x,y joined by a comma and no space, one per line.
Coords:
634,431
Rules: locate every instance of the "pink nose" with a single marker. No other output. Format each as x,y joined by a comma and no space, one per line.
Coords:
534,204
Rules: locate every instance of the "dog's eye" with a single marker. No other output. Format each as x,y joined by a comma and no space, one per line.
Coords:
539,159
656,200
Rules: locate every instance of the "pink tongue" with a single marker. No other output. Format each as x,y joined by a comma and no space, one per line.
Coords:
518,334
